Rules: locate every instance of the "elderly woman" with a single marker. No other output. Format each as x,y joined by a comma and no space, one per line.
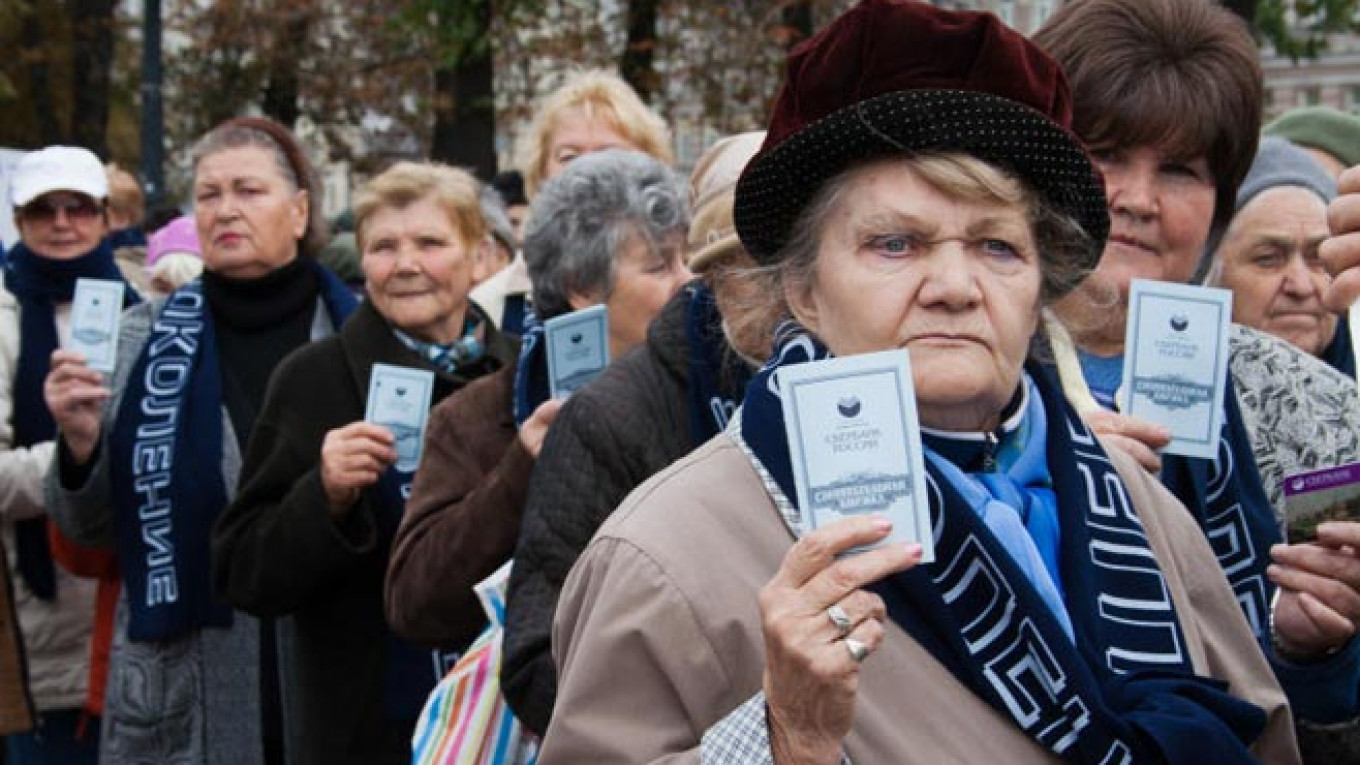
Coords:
1167,93
309,533
148,457
1269,254
593,110
59,195
928,215
646,411
610,229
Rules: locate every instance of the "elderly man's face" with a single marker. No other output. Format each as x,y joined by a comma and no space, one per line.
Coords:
62,225
1270,262
956,283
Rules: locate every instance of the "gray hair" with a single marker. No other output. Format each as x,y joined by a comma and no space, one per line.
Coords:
580,220
289,158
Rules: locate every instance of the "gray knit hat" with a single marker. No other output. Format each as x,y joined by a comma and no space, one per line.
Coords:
1280,163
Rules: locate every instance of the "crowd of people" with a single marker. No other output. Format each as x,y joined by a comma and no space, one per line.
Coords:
214,555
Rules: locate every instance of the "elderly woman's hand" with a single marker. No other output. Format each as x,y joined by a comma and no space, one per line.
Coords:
354,457
1341,251
535,429
75,394
1319,605
818,626
1134,436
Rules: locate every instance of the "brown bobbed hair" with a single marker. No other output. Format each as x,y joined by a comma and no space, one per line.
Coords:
1181,74
289,158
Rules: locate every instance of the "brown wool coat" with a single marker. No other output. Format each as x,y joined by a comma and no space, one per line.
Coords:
658,635
463,517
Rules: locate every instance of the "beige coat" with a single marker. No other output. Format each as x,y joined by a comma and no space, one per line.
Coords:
57,634
658,635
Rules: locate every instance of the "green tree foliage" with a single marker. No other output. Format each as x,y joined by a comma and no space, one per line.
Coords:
1299,28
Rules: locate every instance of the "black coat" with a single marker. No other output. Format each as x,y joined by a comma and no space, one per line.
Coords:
277,550
611,436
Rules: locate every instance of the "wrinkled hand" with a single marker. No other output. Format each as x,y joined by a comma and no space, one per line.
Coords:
354,457
1134,436
810,677
1340,252
1319,605
75,394
535,429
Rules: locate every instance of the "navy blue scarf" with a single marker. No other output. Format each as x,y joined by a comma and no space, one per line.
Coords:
1125,692
1226,498
1339,354
531,371
717,376
166,469
39,284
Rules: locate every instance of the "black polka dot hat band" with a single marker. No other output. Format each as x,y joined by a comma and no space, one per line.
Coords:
900,77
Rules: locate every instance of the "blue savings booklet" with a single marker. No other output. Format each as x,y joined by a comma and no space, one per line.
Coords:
578,349
95,312
399,399
1176,362
1319,496
855,443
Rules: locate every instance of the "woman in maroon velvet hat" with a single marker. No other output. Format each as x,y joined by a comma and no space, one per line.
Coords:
919,190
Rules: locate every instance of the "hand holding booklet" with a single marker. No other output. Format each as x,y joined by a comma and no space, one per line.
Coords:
1176,362
855,443
95,313
399,400
578,349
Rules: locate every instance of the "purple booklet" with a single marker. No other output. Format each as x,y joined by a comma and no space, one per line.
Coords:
1322,495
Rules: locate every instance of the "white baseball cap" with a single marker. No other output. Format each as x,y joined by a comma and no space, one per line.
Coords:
57,168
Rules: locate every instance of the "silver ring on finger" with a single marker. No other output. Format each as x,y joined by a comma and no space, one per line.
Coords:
840,618
859,651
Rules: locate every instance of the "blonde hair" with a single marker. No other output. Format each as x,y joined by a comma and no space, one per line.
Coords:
753,300
126,199
405,183
600,95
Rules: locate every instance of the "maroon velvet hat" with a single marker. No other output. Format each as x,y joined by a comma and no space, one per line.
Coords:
902,77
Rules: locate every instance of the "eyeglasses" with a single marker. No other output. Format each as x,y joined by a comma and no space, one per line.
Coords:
77,208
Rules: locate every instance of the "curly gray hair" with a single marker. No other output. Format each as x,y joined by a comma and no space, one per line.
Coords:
581,219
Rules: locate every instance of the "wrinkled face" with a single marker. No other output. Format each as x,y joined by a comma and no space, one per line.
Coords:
418,270
576,133
61,225
249,216
1161,208
645,277
1269,259
956,283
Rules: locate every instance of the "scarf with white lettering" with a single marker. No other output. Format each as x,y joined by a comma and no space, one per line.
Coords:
166,465
166,472
1124,691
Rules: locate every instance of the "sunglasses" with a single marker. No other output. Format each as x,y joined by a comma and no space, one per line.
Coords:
79,209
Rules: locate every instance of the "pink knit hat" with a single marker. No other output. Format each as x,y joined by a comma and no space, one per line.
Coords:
179,235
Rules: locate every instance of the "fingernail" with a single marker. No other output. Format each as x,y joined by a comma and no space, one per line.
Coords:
882,523
1277,549
914,549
